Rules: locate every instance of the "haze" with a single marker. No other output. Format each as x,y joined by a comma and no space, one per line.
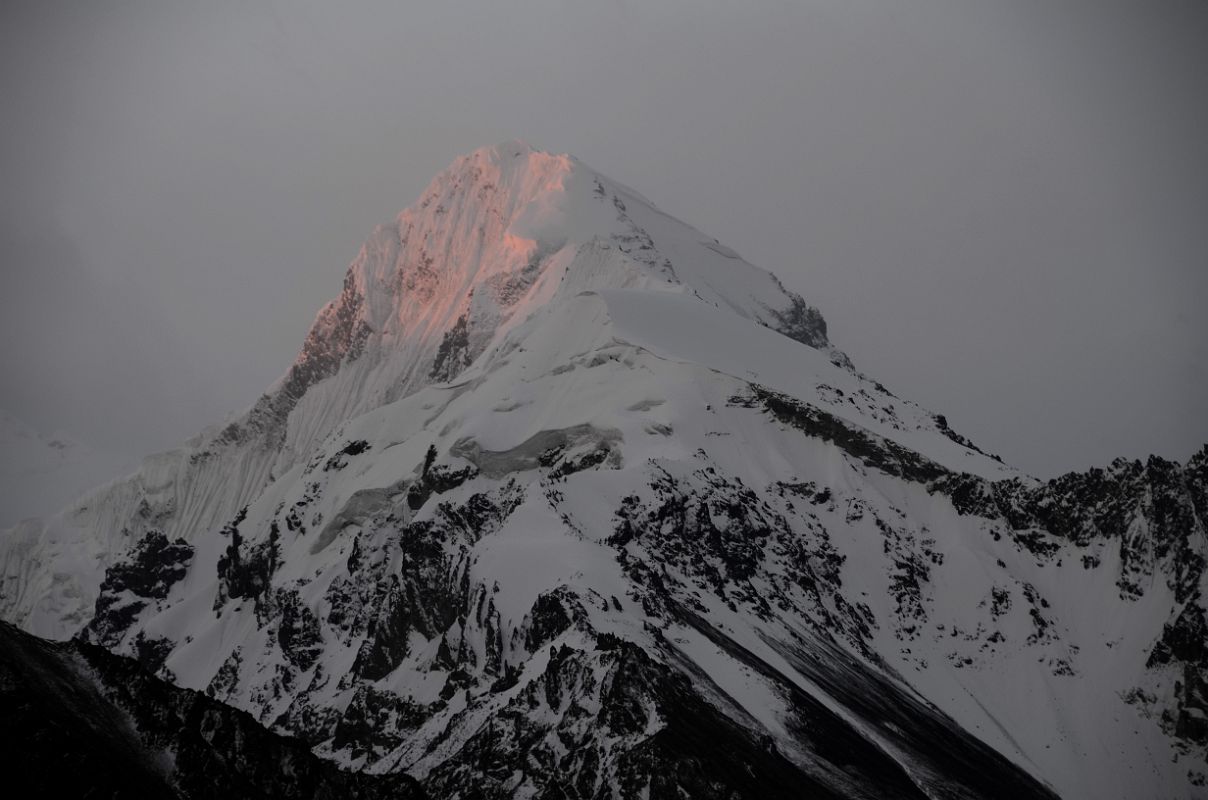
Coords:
1000,208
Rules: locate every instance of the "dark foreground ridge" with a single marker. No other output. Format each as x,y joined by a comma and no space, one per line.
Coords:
78,721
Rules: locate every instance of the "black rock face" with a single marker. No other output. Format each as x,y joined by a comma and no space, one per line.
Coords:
868,448
453,355
78,721
1183,647
297,630
1102,504
246,573
435,480
802,322
147,574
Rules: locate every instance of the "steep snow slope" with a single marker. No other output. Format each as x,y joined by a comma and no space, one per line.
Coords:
564,496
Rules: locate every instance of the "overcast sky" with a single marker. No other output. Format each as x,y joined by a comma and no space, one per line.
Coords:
1001,207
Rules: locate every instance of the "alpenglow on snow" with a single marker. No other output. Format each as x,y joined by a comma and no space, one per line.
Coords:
563,498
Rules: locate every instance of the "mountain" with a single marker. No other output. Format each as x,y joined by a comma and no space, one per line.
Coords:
40,474
563,498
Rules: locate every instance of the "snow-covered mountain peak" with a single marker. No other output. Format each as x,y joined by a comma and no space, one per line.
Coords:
491,260
561,489
500,234
490,227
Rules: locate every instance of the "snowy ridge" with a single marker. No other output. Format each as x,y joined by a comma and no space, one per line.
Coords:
558,483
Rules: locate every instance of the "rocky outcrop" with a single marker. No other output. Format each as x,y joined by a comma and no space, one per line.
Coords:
144,577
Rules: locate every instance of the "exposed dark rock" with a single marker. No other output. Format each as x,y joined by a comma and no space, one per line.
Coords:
510,287
801,322
1185,640
376,722
298,631
145,575
226,680
1164,502
941,422
340,459
386,644
152,651
554,612
868,448
430,590
247,574
1183,647
453,354
436,479
592,458
719,533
